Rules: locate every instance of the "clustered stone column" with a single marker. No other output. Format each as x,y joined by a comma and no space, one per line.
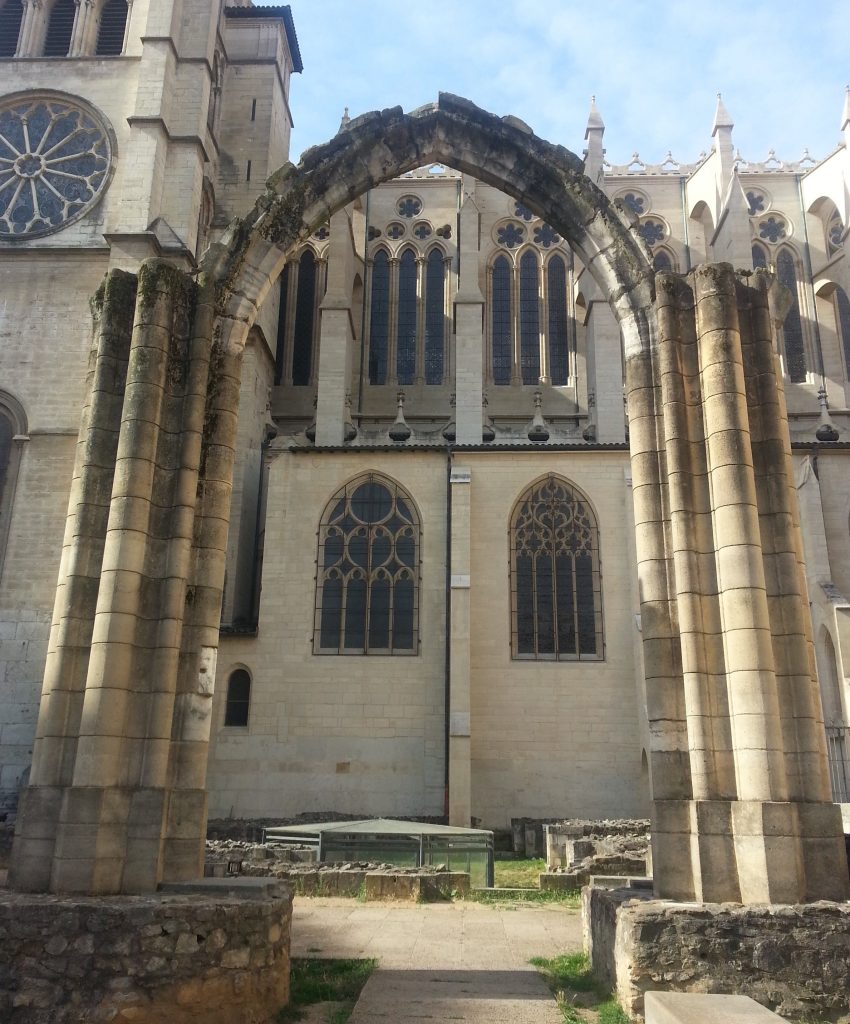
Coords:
743,808
117,801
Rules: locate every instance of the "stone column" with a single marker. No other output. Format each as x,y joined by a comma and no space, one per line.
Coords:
460,726
605,370
469,326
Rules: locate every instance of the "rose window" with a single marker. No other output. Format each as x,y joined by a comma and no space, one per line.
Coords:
546,236
511,235
635,203
652,231
521,210
55,159
773,229
409,206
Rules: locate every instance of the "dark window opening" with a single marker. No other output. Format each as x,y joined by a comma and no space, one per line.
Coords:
529,318
280,350
842,307
59,28
110,34
501,321
406,319
379,327
11,16
302,344
559,356
238,698
792,329
435,317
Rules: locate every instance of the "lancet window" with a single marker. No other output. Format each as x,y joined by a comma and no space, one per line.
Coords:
238,704
842,318
60,25
408,320
11,16
302,288
110,33
367,584
792,328
529,321
556,584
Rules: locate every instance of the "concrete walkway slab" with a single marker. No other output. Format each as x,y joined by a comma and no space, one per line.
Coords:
441,962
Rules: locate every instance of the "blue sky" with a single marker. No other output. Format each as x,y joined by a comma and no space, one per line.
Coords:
655,68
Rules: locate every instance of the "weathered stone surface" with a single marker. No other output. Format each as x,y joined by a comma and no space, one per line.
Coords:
790,958
149,960
688,1008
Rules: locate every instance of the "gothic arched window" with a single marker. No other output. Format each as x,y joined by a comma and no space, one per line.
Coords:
792,329
302,347
556,585
368,571
502,327
110,33
406,319
11,16
559,355
842,318
379,327
238,702
529,318
759,256
60,25
435,316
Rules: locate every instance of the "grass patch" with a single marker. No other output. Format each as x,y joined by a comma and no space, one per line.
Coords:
576,991
518,874
325,981
506,897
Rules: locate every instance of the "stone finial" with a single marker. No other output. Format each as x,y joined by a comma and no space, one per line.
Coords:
845,113
538,431
488,431
722,117
594,155
349,431
594,119
826,431
345,120
400,431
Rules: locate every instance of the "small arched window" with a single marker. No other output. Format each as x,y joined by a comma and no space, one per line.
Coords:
406,319
238,698
842,318
110,33
11,16
559,355
759,257
368,571
792,329
529,318
556,585
662,260
60,25
305,302
379,323
435,316
502,328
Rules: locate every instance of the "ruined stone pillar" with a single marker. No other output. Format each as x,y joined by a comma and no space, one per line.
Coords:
335,339
718,526
460,725
605,371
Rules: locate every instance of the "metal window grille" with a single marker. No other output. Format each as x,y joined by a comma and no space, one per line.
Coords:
367,584
559,356
556,583
110,35
59,28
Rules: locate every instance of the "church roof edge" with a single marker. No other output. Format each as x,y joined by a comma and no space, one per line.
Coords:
285,13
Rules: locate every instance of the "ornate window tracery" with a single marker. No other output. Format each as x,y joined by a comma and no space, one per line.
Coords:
367,585
55,160
556,584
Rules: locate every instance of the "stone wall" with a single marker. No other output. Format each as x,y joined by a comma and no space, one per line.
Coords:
149,960
790,958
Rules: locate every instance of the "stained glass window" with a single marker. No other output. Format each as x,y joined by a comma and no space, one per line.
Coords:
759,256
842,315
792,329
305,302
501,321
406,319
60,24
511,235
409,206
529,318
435,317
11,15
556,586
110,34
558,332
652,232
661,260
379,328
368,571
54,163
238,698
545,236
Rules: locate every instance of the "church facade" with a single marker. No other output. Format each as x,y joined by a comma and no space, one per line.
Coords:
430,608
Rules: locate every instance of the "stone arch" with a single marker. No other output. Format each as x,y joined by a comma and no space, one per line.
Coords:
378,146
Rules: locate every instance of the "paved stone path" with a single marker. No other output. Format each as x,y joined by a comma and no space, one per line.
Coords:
441,962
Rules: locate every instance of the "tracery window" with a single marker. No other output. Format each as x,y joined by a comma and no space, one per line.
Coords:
238,704
11,16
60,25
792,328
368,571
759,256
556,585
529,318
110,33
407,319
302,288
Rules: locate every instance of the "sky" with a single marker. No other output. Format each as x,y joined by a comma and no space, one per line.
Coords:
655,68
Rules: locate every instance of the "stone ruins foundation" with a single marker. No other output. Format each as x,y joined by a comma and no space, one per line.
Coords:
742,806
